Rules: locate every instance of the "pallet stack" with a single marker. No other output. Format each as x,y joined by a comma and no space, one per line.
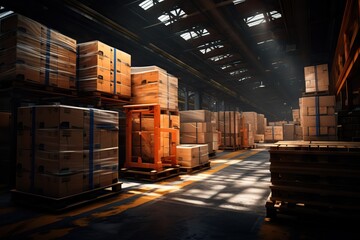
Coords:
229,124
153,85
259,137
274,133
192,155
35,53
104,68
63,150
196,128
250,119
316,177
317,107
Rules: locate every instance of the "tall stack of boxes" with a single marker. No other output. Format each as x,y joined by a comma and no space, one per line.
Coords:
274,133
63,150
35,53
250,119
229,125
196,128
317,107
260,130
104,68
154,85
215,131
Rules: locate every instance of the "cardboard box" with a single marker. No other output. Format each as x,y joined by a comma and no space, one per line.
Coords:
92,74
91,180
59,185
119,56
59,140
19,22
94,48
59,162
196,127
24,160
195,138
274,133
192,155
316,78
88,61
289,132
59,116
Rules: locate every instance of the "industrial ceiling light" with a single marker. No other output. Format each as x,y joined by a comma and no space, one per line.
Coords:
261,85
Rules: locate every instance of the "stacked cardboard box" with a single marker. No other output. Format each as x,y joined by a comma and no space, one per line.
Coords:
192,155
104,68
63,150
316,78
33,52
154,85
296,116
196,128
260,130
251,119
318,119
229,124
274,133
289,132
143,136
215,131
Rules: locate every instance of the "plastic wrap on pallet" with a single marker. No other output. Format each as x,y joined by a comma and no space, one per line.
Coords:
154,85
64,150
35,53
104,68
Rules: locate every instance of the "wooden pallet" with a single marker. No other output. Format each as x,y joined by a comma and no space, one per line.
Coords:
191,170
149,175
212,154
65,203
169,112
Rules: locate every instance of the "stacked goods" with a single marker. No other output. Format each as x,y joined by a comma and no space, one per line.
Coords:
215,131
63,150
5,146
196,128
278,123
251,119
260,132
192,155
274,133
318,119
104,68
33,52
153,85
143,142
289,132
316,78
229,125
298,132
296,116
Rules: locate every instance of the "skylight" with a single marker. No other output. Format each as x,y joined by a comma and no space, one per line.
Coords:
195,34
172,16
244,78
225,66
238,1
4,14
266,41
149,3
233,73
260,18
209,49
220,57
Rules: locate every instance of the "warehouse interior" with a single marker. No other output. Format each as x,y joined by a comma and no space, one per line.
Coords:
264,94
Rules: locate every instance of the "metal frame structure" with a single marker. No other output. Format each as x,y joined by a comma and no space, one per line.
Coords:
159,163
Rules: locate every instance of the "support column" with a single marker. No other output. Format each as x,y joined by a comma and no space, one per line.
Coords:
198,100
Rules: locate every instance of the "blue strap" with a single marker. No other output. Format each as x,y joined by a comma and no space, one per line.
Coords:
114,70
33,134
91,150
317,112
47,63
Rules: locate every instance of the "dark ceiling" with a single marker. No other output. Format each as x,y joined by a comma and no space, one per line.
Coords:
225,49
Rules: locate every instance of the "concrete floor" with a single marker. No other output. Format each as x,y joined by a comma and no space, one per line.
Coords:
224,202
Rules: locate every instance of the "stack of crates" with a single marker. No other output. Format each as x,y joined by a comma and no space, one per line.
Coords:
35,53
104,68
64,150
250,124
